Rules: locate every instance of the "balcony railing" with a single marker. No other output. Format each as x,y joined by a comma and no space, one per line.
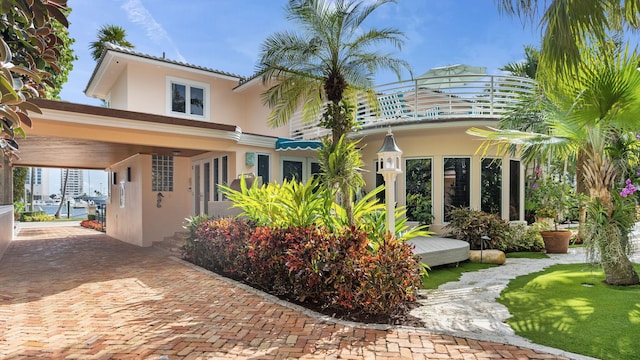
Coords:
424,100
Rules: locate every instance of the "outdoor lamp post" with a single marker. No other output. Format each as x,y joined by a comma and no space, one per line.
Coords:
389,167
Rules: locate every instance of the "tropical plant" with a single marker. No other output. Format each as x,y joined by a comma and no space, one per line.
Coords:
28,48
113,34
339,170
332,57
598,104
566,25
294,204
480,229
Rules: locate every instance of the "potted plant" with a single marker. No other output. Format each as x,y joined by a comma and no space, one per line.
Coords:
551,196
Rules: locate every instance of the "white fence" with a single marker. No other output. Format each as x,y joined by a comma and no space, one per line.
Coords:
431,99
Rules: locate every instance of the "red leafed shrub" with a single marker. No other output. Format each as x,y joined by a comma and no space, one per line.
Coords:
336,271
388,279
220,245
92,224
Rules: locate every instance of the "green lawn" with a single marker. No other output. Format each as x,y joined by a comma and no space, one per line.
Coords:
570,308
444,274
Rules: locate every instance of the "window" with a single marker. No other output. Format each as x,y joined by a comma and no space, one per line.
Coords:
380,182
292,170
491,186
187,98
514,190
299,168
263,167
457,183
161,173
418,190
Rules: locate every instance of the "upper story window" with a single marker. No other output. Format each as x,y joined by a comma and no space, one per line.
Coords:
187,98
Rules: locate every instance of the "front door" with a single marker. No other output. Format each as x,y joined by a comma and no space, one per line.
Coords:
201,186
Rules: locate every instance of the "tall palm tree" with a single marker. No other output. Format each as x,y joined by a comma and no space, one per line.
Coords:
109,34
566,24
331,57
596,106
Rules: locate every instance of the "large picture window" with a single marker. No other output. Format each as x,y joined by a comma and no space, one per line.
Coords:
491,186
187,98
419,190
457,184
514,190
161,173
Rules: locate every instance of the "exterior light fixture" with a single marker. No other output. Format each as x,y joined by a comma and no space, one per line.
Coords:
389,160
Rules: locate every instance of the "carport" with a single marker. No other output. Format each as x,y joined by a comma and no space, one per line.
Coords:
68,135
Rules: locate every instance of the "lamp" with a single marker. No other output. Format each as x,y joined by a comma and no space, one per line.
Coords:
389,167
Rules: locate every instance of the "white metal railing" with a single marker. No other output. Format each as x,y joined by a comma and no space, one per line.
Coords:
427,99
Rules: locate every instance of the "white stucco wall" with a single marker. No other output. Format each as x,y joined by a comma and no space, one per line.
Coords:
6,227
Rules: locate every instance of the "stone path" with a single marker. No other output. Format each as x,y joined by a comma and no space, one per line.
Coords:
75,293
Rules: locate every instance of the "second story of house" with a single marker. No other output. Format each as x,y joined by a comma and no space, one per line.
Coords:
128,80
442,97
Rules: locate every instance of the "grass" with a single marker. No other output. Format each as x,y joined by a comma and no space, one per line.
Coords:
527,255
444,274
570,308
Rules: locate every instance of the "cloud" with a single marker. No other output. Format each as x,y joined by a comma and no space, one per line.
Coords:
138,14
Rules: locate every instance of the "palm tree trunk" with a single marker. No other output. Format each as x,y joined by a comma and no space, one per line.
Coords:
64,193
599,175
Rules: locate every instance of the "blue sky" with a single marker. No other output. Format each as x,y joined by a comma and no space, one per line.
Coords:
226,34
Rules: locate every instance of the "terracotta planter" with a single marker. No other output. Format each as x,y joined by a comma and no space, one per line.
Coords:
556,242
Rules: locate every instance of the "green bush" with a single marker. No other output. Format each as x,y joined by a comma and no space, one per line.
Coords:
91,216
525,238
471,225
35,216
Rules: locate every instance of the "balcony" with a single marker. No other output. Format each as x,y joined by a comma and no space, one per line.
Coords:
432,99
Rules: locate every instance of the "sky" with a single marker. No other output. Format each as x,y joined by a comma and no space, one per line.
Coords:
226,35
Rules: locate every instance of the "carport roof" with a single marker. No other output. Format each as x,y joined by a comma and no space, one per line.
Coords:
70,135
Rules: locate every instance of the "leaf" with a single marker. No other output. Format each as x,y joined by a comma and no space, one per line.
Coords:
25,119
10,115
27,106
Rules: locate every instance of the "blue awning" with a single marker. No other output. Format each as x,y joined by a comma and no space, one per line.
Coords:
283,144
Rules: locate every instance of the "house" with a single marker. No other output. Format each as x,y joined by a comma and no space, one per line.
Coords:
170,132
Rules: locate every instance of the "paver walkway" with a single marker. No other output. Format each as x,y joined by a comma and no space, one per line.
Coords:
70,292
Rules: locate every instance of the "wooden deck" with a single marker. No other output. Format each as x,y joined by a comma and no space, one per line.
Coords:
435,251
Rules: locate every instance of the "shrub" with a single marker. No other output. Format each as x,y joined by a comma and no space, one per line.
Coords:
91,216
218,244
34,216
309,264
92,224
471,225
388,279
525,238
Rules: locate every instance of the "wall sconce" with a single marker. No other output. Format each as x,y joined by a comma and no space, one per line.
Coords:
250,158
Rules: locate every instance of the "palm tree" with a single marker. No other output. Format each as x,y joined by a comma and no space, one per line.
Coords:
595,107
339,164
567,24
331,58
109,34
64,193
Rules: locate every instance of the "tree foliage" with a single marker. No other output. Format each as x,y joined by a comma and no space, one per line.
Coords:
30,50
568,24
113,34
330,57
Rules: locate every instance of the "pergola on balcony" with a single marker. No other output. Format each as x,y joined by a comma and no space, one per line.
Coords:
431,99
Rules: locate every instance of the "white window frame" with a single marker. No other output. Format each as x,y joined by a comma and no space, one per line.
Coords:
206,88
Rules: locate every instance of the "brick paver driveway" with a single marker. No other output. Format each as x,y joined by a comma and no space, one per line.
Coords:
75,293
